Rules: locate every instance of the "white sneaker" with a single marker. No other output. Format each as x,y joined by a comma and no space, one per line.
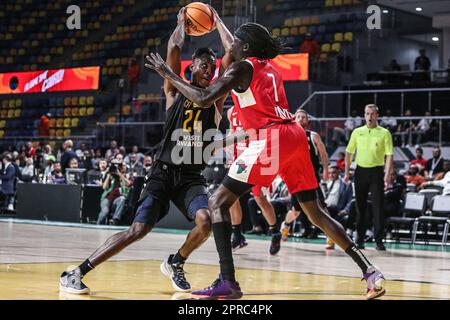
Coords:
10,207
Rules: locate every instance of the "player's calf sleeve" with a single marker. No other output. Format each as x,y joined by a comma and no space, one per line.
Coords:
358,257
222,237
237,230
85,267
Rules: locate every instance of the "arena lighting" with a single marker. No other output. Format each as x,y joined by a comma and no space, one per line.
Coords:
385,11
418,9
435,39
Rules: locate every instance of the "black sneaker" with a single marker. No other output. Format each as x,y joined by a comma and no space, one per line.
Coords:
176,273
238,243
275,244
70,282
380,247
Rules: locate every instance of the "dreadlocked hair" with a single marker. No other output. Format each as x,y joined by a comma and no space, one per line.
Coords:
262,43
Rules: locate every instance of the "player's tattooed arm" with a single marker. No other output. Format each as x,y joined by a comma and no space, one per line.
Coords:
227,40
174,46
238,76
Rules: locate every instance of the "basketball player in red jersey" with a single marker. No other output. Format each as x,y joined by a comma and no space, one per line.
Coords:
258,93
238,239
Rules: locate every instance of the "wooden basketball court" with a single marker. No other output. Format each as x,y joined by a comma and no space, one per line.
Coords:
33,255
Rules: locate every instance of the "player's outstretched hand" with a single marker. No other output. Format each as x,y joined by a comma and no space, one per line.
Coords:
156,63
215,16
181,18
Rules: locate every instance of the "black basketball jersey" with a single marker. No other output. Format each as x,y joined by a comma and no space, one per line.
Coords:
188,130
314,153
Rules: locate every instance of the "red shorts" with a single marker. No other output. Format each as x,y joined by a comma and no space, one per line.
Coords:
281,150
257,192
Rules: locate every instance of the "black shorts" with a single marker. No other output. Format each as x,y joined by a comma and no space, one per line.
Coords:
307,195
165,183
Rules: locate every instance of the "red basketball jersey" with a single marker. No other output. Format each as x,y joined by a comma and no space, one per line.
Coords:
235,125
265,100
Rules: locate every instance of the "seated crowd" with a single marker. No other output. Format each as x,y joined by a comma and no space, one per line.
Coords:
114,170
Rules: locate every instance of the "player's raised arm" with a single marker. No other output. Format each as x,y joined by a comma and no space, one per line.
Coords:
237,76
227,40
174,56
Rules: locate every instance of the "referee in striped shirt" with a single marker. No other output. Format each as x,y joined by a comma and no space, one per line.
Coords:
374,162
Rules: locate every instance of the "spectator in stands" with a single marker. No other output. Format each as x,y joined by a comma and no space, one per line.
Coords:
419,161
389,122
97,157
50,161
56,176
8,181
99,173
30,151
116,189
133,77
350,124
393,194
435,125
68,154
405,128
444,180
28,170
311,46
86,160
44,125
394,66
136,168
340,162
148,162
414,177
422,129
434,165
423,63
112,151
338,198
73,164
123,152
119,157
139,155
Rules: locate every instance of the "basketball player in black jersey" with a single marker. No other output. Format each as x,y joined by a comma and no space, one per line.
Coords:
319,158
176,173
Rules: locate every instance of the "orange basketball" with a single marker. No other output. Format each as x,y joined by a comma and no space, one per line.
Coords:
199,19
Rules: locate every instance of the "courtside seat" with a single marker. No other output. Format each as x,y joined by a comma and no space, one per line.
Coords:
415,206
52,133
440,215
338,37
74,123
52,123
348,36
10,113
82,101
59,133
75,112
112,119
60,123
326,47
67,133
67,112
90,111
336,47
67,122
82,111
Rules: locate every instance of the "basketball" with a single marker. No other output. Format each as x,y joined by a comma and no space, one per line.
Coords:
199,19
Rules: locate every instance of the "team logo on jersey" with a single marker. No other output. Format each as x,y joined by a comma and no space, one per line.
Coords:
241,166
